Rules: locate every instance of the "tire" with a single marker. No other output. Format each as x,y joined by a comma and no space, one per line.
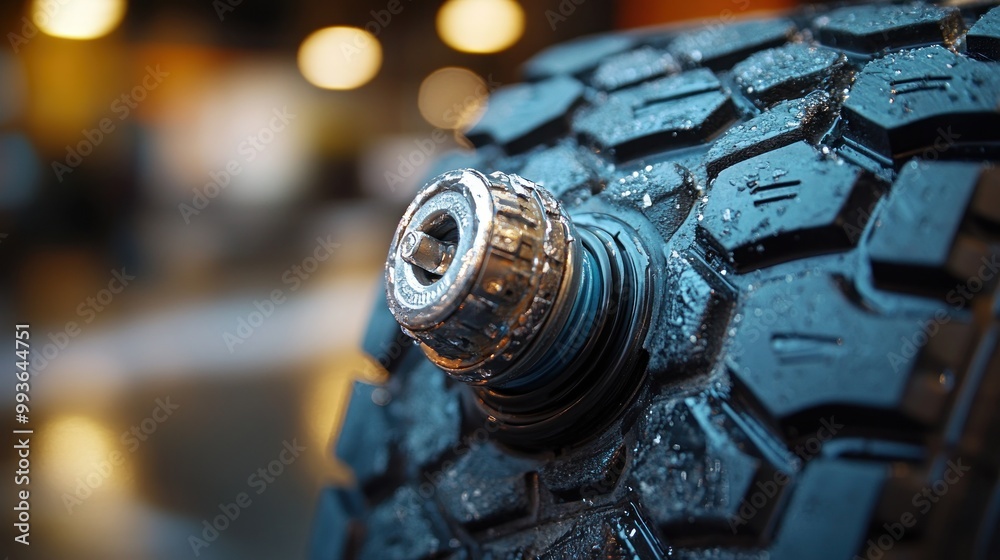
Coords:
822,371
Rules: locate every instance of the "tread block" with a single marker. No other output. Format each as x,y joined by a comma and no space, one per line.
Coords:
364,440
546,535
786,204
982,426
692,478
829,511
663,192
873,28
403,527
484,487
719,47
824,351
790,71
585,475
560,170
677,111
335,523
784,124
696,308
427,413
587,537
524,115
983,40
630,68
927,252
928,99
575,57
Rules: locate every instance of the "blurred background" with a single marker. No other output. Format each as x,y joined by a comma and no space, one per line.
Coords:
196,198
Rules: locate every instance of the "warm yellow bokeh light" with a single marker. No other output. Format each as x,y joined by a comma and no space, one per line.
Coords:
77,450
453,98
340,57
77,19
480,26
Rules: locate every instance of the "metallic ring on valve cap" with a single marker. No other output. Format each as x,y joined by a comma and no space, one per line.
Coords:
478,266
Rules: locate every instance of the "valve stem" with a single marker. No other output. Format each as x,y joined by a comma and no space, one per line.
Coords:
430,254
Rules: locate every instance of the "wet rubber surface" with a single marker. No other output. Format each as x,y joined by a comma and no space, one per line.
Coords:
825,195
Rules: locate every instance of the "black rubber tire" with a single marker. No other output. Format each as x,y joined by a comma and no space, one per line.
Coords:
823,371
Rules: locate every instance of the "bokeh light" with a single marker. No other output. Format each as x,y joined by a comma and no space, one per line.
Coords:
480,26
453,98
340,57
77,450
236,113
77,19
